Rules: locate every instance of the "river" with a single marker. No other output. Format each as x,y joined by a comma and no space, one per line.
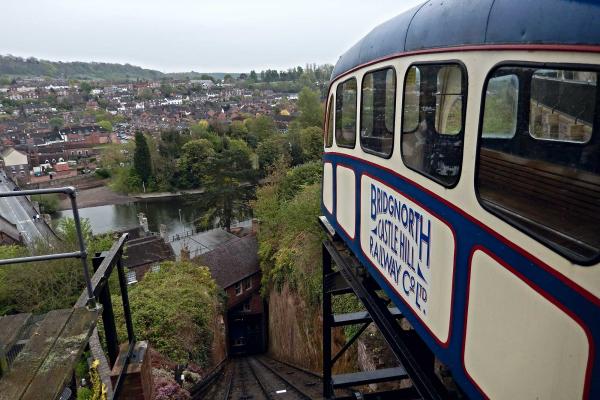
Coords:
177,213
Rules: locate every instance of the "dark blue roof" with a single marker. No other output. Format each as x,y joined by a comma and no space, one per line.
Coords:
449,23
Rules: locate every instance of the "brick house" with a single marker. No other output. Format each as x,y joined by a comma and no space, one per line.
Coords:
235,267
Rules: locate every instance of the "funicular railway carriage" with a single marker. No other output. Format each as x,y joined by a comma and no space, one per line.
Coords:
462,168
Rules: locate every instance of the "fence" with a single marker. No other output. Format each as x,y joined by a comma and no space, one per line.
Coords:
97,291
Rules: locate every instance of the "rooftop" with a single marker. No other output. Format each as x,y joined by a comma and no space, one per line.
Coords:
451,23
232,261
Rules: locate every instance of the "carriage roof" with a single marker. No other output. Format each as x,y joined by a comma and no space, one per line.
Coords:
451,23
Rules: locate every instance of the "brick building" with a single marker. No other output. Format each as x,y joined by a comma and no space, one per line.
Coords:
235,267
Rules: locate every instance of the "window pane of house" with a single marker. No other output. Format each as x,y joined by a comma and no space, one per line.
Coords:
345,114
562,105
432,138
544,179
500,114
377,111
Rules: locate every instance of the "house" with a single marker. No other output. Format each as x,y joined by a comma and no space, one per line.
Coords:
145,253
235,267
15,163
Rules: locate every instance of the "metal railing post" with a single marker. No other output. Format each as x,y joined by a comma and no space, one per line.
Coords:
125,297
82,249
108,316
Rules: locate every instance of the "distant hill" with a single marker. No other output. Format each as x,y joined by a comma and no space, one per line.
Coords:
198,75
13,67
32,67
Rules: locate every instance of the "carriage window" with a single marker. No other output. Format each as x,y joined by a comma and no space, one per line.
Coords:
378,102
557,109
500,114
432,121
544,178
345,113
329,128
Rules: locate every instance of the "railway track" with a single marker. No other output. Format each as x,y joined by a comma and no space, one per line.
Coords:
260,377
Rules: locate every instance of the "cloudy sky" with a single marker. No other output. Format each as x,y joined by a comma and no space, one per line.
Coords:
184,35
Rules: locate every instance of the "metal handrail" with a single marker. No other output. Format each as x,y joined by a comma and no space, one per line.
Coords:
81,254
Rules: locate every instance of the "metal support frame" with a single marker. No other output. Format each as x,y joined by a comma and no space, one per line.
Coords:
104,265
414,355
81,254
96,286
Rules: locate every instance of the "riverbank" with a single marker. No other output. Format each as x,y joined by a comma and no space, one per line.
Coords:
103,196
97,196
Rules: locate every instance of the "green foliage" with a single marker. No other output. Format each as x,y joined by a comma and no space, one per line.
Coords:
195,162
262,127
48,203
84,393
289,236
17,66
103,173
271,150
106,125
126,180
297,178
85,87
311,111
56,122
142,163
311,142
231,182
43,286
174,310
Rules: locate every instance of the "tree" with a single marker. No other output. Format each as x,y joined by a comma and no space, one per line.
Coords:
142,163
311,140
106,125
269,151
253,76
262,127
238,130
85,88
230,184
196,156
309,105
56,122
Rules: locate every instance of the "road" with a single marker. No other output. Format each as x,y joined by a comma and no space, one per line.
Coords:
19,211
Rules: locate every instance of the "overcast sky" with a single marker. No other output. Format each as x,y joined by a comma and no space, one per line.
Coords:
184,35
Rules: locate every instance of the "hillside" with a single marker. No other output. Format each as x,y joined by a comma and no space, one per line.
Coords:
13,67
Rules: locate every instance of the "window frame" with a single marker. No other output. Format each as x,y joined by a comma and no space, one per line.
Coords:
360,123
355,116
465,84
329,122
238,288
569,255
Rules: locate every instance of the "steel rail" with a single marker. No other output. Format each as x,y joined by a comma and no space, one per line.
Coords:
288,382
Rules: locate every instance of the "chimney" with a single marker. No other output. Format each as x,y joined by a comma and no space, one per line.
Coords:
163,231
184,254
255,225
143,221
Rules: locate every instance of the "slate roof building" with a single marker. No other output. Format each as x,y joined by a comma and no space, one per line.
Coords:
235,267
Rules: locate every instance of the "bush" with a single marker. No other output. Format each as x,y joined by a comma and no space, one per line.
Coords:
289,236
49,203
174,310
102,173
